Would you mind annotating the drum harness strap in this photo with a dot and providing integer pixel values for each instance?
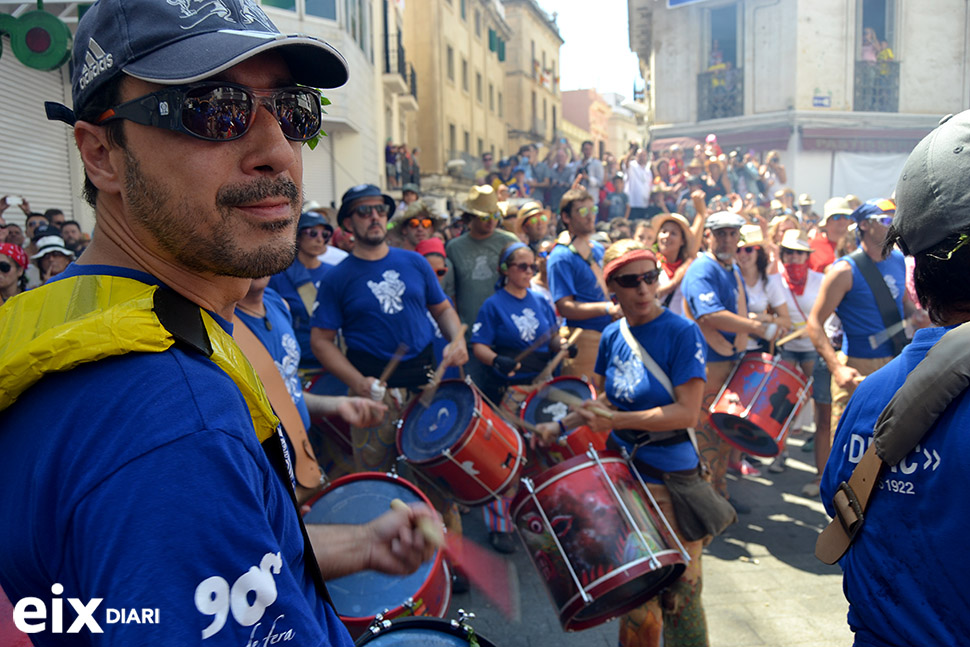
(928, 390)
(884, 298)
(84, 319)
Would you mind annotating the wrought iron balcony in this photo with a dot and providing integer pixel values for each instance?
(395, 65)
(720, 93)
(876, 86)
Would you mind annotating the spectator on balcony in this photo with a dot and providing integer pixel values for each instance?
(639, 183)
(716, 56)
(390, 164)
(415, 177)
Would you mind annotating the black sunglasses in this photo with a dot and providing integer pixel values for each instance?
(314, 233)
(220, 111)
(441, 271)
(364, 210)
(522, 267)
(632, 280)
(5, 267)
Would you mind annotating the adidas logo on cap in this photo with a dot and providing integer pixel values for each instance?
(96, 62)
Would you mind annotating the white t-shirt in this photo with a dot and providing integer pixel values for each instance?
(761, 296)
(805, 301)
(639, 184)
(676, 304)
(332, 256)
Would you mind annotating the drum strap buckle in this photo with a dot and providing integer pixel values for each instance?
(848, 510)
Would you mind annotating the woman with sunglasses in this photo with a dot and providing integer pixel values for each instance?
(509, 322)
(776, 229)
(651, 424)
(13, 266)
(512, 320)
(766, 303)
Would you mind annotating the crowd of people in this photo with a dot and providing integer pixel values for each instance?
(648, 278)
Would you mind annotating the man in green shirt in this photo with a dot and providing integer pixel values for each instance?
(475, 253)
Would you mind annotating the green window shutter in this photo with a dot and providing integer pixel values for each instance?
(501, 50)
(492, 45)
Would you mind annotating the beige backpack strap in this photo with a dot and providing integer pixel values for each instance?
(306, 469)
(850, 503)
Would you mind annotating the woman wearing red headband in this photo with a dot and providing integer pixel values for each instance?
(13, 264)
(651, 423)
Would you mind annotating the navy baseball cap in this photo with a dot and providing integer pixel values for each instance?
(309, 219)
(171, 42)
(874, 209)
(362, 191)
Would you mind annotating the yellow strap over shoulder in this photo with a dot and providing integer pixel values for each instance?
(84, 319)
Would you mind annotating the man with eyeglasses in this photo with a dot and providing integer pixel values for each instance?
(715, 297)
(298, 284)
(865, 308)
(170, 488)
(380, 297)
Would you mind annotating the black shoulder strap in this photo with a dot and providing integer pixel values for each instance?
(884, 298)
(183, 319)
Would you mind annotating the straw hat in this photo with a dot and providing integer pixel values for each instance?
(797, 240)
(482, 202)
(751, 235)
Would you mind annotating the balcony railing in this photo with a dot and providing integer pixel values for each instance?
(413, 82)
(720, 93)
(876, 86)
(395, 61)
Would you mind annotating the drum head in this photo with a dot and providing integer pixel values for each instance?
(420, 632)
(358, 499)
(426, 432)
(744, 435)
(540, 408)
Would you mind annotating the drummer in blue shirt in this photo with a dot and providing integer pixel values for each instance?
(650, 422)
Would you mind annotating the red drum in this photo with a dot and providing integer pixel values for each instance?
(540, 407)
(597, 538)
(359, 598)
(758, 402)
(459, 440)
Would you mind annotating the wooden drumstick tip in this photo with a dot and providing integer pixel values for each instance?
(432, 533)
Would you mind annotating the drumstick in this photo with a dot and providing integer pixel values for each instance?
(429, 391)
(543, 338)
(791, 336)
(392, 364)
(558, 395)
(554, 362)
(495, 577)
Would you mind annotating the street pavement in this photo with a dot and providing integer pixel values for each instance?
(762, 584)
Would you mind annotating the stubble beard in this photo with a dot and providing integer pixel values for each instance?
(179, 231)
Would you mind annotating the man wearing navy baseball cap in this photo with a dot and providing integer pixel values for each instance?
(170, 491)
(867, 290)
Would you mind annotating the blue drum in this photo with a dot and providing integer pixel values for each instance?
(421, 632)
(360, 597)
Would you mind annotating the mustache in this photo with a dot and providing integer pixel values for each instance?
(259, 189)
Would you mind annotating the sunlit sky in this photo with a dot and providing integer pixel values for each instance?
(596, 53)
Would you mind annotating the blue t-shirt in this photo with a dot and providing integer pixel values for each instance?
(859, 313)
(157, 495)
(286, 283)
(510, 322)
(571, 276)
(905, 574)
(710, 287)
(677, 346)
(280, 342)
(378, 304)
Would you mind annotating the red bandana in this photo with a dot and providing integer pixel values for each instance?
(795, 274)
(670, 268)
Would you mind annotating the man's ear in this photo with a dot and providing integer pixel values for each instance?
(96, 154)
